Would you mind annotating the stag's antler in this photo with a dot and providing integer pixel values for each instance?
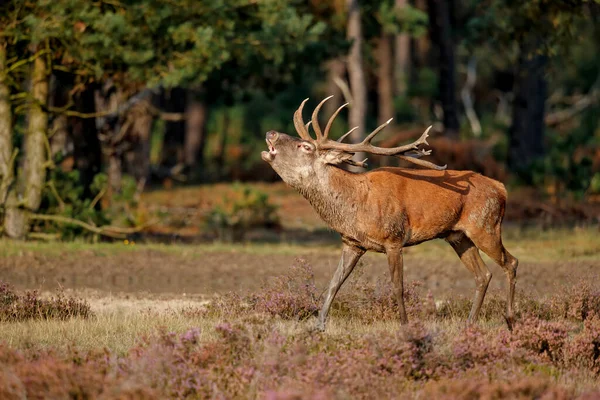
(323, 142)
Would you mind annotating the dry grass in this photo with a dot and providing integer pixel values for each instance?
(252, 344)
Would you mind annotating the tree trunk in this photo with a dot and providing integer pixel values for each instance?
(87, 151)
(195, 136)
(6, 147)
(172, 150)
(358, 86)
(385, 79)
(220, 157)
(335, 72)
(29, 188)
(402, 58)
(137, 152)
(422, 44)
(526, 135)
(441, 34)
(59, 135)
(114, 130)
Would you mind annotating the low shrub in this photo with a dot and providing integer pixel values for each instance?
(290, 296)
(584, 348)
(247, 208)
(576, 302)
(15, 307)
(476, 347)
(516, 388)
(541, 338)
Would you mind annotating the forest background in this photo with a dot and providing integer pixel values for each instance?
(103, 101)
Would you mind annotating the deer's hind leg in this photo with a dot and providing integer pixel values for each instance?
(469, 255)
(491, 244)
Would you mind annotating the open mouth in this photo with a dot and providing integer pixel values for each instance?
(272, 149)
(269, 156)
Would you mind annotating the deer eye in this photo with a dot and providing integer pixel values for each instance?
(307, 147)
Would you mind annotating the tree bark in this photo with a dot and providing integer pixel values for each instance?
(59, 125)
(140, 120)
(335, 71)
(441, 34)
(385, 79)
(358, 86)
(87, 150)
(526, 135)
(422, 44)
(6, 147)
(29, 188)
(195, 125)
(172, 150)
(402, 58)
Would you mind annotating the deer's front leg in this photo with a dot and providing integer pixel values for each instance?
(350, 256)
(396, 264)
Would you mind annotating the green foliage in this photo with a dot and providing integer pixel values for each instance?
(248, 208)
(407, 19)
(425, 85)
(64, 196)
(567, 167)
(405, 112)
(547, 26)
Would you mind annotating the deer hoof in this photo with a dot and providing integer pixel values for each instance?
(510, 322)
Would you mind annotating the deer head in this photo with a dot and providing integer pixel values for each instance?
(297, 159)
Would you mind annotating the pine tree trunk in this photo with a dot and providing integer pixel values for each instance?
(138, 153)
(195, 125)
(385, 78)
(335, 71)
(422, 44)
(441, 34)
(30, 185)
(87, 150)
(358, 86)
(174, 138)
(402, 58)
(59, 126)
(6, 148)
(526, 135)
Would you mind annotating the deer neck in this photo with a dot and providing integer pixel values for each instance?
(335, 195)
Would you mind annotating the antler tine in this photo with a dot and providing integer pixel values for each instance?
(418, 153)
(299, 122)
(345, 135)
(330, 122)
(376, 131)
(423, 163)
(424, 136)
(315, 119)
(367, 147)
(362, 164)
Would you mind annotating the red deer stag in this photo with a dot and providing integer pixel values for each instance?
(387, 209)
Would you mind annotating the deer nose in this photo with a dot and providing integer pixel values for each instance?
(272, 136)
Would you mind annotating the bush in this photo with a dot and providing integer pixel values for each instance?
(576, 302)
(584, 349)
(291, 296)
(518, 388)
(14, 307)
(63, 195)
(249, 208)
(541, 338)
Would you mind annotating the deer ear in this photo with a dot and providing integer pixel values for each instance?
(336, 157)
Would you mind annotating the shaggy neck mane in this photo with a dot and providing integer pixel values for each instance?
(334, 194)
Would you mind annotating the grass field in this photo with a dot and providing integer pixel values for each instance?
(234, 321)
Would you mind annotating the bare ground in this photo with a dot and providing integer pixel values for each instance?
(151, 271)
